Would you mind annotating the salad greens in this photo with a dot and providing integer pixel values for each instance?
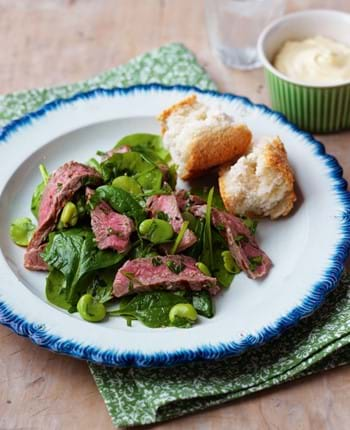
(75, 254)
(38, 192)
(120, 200)
(152, 308)
(81, 276)
(21, 231)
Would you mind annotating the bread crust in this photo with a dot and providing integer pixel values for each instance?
(213, 146)
(216, 147)
(163, 116)
(276, 160)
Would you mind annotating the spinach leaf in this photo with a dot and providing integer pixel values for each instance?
(38, 192)
(101, 286)
(55, 289)
(203, 303)
(95, 165)
(197, 226)
(76, 255)
(21, 231)
(133, 164)
(152, 308)
(143, 249)
(203, 192)
(120, 200)
(150, 145)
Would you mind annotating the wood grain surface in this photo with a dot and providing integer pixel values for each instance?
(51, 42)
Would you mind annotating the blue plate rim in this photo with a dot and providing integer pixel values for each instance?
(38, 333)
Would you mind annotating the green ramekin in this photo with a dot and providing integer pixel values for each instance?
(314, 108)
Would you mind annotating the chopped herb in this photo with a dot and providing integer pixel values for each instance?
(156, 261)
(176, 268)
(220, 227)
(254, 262)
(132, 278)
(59, 185)
(179, 237)
(241, 238)
(162, 215)
(250, 223)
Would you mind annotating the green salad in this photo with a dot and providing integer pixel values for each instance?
(117, 238)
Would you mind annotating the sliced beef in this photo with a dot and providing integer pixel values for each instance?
(33, 260)
(169, 273)
(111, 229)
(242, 244)
(62, 186)
(185, 200)
(167, 204)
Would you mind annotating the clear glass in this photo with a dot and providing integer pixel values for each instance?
(234, 27)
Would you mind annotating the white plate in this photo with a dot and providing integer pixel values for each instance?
(308, 248)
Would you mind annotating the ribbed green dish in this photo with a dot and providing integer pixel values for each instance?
(314, 109)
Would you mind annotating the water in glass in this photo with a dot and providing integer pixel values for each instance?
(234, 26)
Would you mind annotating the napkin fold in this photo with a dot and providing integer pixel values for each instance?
(145, 396)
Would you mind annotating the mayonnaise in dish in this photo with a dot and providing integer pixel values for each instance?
(317, 60)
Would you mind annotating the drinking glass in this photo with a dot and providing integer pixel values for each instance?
(234, 26)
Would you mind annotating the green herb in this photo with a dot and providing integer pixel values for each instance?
(21, 231)
(255, 262)
(241, 238)
(250, 223)
(174, 267)
(120, 200)
(152, 308)
(179, 237)
(156, 261)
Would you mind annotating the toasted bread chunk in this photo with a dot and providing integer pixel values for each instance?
(200, 137)
(261, 183)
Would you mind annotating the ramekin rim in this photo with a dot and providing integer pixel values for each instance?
(267, 63)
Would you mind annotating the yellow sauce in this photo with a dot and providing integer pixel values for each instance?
(317, 60)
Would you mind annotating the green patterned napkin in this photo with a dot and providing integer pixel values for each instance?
(144, 396)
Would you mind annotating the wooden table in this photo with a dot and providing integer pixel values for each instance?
(51, 42)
